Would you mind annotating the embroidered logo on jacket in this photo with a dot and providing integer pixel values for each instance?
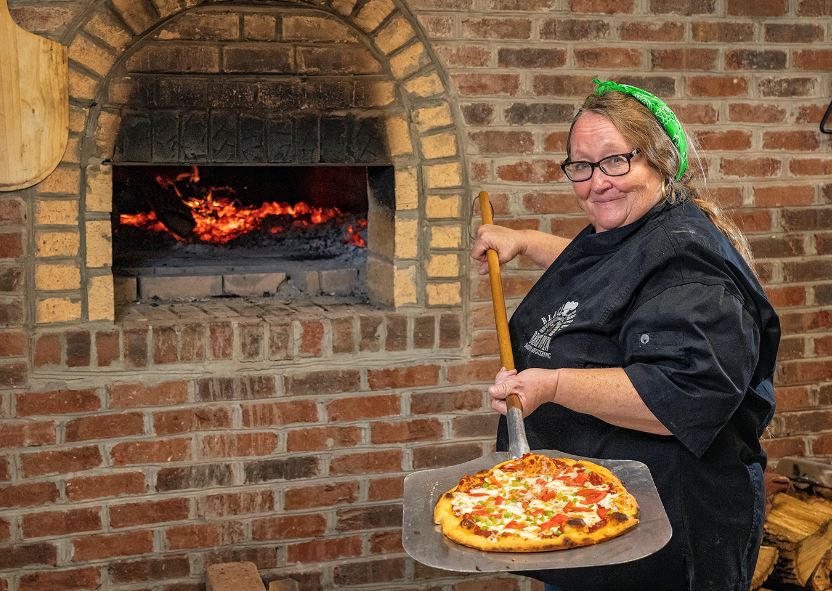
(552, 324)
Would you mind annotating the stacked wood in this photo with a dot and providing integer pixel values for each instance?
(821, 579)
(766, 560)
(802, 533)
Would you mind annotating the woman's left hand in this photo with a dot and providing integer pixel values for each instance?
(533, 386)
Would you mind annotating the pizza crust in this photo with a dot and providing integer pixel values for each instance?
(464, 531)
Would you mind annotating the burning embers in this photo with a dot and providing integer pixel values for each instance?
(191, 211)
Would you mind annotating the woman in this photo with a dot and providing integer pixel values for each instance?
(648, 337)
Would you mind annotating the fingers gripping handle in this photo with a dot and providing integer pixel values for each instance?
(516, 429)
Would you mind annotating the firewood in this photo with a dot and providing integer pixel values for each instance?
(766, 560)
(821, 579)
(802, 534)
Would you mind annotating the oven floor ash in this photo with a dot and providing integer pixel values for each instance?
(291, 266)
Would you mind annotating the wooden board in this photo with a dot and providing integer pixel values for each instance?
(34, 104)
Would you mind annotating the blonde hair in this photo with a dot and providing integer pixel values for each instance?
(638, 124)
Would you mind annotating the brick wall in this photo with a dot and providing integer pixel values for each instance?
(136, 449)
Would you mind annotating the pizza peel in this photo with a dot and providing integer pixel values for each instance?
(423, 540)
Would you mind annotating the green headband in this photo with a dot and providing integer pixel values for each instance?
(660, 110)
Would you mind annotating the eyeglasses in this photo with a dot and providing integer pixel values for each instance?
(615, 165)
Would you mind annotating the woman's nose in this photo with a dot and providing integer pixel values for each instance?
(599, 180)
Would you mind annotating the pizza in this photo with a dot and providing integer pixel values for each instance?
(536, 503)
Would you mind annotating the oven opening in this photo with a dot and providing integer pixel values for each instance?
(191, 232)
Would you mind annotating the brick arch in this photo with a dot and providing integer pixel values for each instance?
(423, 138)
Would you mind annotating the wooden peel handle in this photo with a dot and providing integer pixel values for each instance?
(498, 301)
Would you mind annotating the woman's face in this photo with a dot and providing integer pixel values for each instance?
(611, 202)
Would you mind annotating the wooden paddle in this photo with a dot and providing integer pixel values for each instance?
(516, 429)
(34, 104)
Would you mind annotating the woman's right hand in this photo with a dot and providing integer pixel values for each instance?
(507, 243)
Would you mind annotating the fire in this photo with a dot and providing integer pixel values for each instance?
(220, 218)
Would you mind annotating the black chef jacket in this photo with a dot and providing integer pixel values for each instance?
(668, 299)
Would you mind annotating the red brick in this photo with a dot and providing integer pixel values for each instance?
(746, 59)
(324, 495)
(370, 333)
(204, 535)
(607, 57)
(151, 452)
(753, 220)
(28, 495)
(793, 398)
(806, 321)
(58, 523)
(324, 550)
(555, 142)
(26, 434)
(56, 402)
(527, 58)
(135, 347)
(47, 350)
(110, 485)
(323, 438)
(230, 504)
(732, 139)
(403, 377)
(389, 542)
(287, 527)
(783, 447)
(386, 489)
(766, 246)
(234, 445)
(442, 402)
(791, 348)
(757, 8)
(221, 340)
(66, 580)
(188, 420)
(110, 545)
(823, 346)
(814, 8)
(822, 445)
(131, 514)
(343, 340)
(568, 227)
(810, 113)
(323, 382)
(252, 341)
(793, 33)
(481, 425)
(11, 245)
(791, 140)
(362, 407)
(651, 31)
(136, 395)
(716, 86)
(786, 297)
(575, 29)
(5, 530)
(107, 348)
(364, 518)
(805, 372)
(749, 167)
(784, 195)
(11, 312)
(468, 56)
(406, 431)
(165, 345)
(396, 339)
(807, 219)
(496, 28)
(279, 413)
(60, 462)
(438, 456)
(727, 196)
(475, 84)
(514, 286)
(424, 332)
(13, 343)
(722, 31)
(810, 167)
(192, 342)
(14, 375)
(787, 87)
(22, 555)
(385, 570)
(756, 113)
(684, 59)
(503, 142)
(602, 6)
(371, 462)
(104, 426)
(537, 171)
(12, 212)
(810, 270)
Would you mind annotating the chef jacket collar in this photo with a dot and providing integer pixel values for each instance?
(593, 242)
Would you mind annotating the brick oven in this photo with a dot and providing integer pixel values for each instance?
(267, 407)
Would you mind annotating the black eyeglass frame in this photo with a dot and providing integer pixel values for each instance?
(629, 156)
